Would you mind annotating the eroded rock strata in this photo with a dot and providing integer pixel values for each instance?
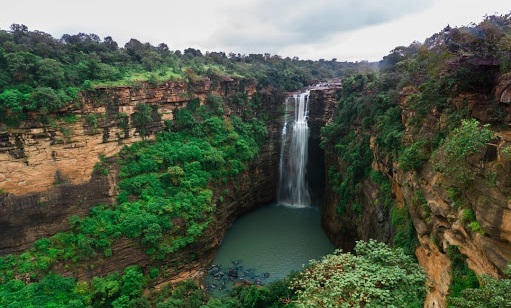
(440, 218)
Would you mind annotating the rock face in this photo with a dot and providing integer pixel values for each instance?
(443, 216)
(47, 169)
(343, 230)
(443, 221)
(322, 106)
(100, 123)
(256, 186)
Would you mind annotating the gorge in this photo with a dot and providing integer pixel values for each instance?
(267, 244)
(123, 193)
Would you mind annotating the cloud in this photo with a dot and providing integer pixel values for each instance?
(343, 29)
(269, 25)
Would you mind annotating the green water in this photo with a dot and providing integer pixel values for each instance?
(267, 244)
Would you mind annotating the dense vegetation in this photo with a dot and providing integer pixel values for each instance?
(492, 293)
(419, 86)
(165, 203)
(40, 74)
(166, 199)
(375, 277)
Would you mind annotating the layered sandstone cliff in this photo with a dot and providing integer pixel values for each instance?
(439, 218)
(441, 222)
(47, 166)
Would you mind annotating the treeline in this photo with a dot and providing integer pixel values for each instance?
(41, 74)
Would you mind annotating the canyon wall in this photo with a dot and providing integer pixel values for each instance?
(63, 166)
(441, 220)
(256, 186)
(474, 219)
(344, 229)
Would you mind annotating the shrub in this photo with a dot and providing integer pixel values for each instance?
(376, 276)
(461, 276)
(493, 293)
(414, 156)
(464, 141)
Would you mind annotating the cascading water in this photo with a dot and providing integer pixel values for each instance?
(293, 188)
(270, 242)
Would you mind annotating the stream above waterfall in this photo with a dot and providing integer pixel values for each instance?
(267, 244)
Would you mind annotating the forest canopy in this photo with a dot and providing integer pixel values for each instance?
(40, 73)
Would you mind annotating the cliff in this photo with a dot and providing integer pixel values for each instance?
(344, 229)
(254, 187)
(61, 167)
(472, 217)
(441, 221)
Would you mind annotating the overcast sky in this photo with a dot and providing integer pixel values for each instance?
(349, 30)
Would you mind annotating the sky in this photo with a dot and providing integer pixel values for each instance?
(348, 30)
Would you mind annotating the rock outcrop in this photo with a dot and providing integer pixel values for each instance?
(344, 229)
(443, 221)
(474, 219)
(47, 169)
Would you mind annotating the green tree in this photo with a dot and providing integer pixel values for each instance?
(492, 293)
(50, 73)
(377, 276)
(22, 66)
(46, 99)
(12, 103)
(142, 118)
(468, 139)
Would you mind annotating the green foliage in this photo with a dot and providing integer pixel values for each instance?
(142, 118)
(184, 294)
(475, 226)
(87, 86)
(102, 166)
(117, 290)
(419, 201)
(492, 293)
(275, 294)
(366, 109)
(169, 175)
(376, 276)
(385, 187)
(33, 59)
(405, 236)
(414, 156)
(92, 121)
(51, 291)
(165, 203)
(468, 215)
(467, 140)
(462, 276)
(346, 183)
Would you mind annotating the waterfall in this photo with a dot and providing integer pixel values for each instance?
(293, 188)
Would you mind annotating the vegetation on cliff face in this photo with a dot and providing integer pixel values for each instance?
(415, 112)
(165, 203)
(493, 293)
(166, 197)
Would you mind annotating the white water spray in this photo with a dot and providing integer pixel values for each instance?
(293, 188)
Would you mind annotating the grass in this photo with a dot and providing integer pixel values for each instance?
(134, 77)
